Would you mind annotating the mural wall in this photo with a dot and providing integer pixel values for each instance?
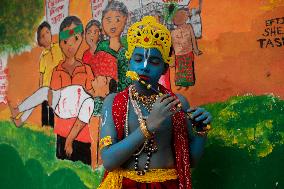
(228, 57)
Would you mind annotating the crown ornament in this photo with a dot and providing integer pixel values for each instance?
(148, 33)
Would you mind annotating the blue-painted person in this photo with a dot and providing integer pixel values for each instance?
(147, 140)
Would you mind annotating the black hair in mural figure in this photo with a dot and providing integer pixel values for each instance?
(92, 23)
(116, 6)
(96, 30)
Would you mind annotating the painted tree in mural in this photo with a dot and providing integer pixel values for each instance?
(18, 21)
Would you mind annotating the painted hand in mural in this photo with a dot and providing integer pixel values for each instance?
(68, 147)
(197, 52)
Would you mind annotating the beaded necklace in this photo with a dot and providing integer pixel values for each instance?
(148, 146)
(146, 101)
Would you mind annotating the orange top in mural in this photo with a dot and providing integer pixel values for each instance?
(82, 75)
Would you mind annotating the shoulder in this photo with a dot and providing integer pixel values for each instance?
(189, 26)
(87, 66)
(56, 70)
(123, 41)
(55, 46)
(103, 45)
(43, 54)
(55, 49)
(86, 52)
(184, 101)
(108, 102)
(109, 98)
(175, 31)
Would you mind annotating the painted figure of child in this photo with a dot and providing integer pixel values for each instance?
(50, 57)
(72, 72)
(110, 54)
(185, 46)
(92, 37)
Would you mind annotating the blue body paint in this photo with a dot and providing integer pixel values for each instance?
(149, 64)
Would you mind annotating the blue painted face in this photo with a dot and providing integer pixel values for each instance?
(148, 64)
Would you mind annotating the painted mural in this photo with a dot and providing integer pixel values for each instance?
(59, 60)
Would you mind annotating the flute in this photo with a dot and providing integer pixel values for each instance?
(204, 127)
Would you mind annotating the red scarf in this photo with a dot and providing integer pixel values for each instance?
(180, 134)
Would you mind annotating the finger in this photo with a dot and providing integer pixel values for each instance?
(192, 109)
(170, 113)
(202, 117)
(172, 105)
(167, 101)
(67, 153)
(161, 98)
(208, 120)
(70, 152)
(197, 112)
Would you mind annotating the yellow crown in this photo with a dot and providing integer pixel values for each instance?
(148, 33)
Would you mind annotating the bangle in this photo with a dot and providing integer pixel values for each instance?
(204, 132)
(144, 129)
(106, 141)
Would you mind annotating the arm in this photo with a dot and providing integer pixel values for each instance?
(92, 92)
(194, 41)
(41, 70)
(197, 143)
(77, 127)
(90, 79)
(40, 79)
(119, 152)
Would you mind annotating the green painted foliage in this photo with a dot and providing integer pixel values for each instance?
(14, 174)
(37, 153)
(254, 123)
(234, 168)
(18, 23)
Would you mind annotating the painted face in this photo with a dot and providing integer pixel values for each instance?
(148, 64)
(180, 17)
(92, 36)
(45, 37)
(71, 45)
(113, 23)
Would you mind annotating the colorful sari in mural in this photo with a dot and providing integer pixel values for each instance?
(184, 70)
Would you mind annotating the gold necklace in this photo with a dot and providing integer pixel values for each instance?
(146, 101)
